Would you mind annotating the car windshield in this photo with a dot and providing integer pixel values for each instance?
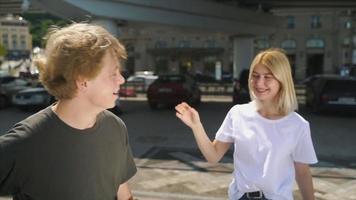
(341, 85)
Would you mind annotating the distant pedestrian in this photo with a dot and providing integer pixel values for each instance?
(74, 149)
(272, 143)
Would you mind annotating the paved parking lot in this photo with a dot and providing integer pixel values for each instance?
(171, 167)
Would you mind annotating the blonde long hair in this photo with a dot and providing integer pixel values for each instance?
(277, 62)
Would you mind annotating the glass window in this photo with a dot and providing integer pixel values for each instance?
(5, 36)
(354, 56)
(184, 44)
(290, 22)
(161, 44)
(130, 48)
(23, 42)
(262, 43)
(210, 44)
(348, 24)
(14, 41)
(315, 21)
(354, 40)
(315, 43)
(346, 41)
(289, 44)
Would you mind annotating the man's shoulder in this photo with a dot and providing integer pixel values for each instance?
(112, 119)
(27, 127)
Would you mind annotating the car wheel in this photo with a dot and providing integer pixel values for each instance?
(152, 105)
(197, 101)
(315, 107)
(24, 108)
(2, 102)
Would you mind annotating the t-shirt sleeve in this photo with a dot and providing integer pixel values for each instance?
(225, 132)
(304, 150)
(8, 167)
(130, 167)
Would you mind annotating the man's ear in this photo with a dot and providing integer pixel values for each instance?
(82, 84)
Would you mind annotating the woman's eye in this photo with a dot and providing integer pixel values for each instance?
(254, 76)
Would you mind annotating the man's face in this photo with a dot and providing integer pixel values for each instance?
(103, 90)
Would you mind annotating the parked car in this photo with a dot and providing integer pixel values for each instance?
(241, 94)
(10, 85)
(173, 89)
(141, 82)
(127, 90)
(331, 92)
(32, 98)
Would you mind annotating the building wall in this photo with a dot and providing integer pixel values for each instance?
(15, 35)
(322, 47)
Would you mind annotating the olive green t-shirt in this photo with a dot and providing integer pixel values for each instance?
(42, 158)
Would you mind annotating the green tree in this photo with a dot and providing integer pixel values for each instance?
(3, 50)
(39, 24)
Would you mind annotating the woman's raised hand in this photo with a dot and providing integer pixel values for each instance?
(187, 114)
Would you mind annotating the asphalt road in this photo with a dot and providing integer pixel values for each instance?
(169, 161)
(334, 134)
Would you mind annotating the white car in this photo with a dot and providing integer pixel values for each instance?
(141, 82)
(29, 98)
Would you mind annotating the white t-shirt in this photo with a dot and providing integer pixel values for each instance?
(265, 151)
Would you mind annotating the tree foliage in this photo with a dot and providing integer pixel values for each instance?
(39, 24)
(3, 50)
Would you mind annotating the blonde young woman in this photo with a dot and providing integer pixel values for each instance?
(272, 143)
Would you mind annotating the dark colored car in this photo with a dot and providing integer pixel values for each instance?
(331, 92)
(173, 89)
(241, 92)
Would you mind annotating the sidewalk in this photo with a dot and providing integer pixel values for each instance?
(175, 175)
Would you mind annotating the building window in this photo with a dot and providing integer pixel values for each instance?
(5, 40)
(346, 41)
(262, 43)
(289, 44)
(14, 41)
(23, 42)
(184, 44)
(348, 25)
(354, 40)
(290, 22)
(210, 44)
(354, 56)
(315, 21)
(315, 43)
(161, 44)
(130, 48)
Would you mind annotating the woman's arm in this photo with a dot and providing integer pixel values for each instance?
(304, 180)
(212, 151)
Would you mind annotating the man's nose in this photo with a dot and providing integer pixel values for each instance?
(121, 79)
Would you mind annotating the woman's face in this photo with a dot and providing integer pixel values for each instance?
(264, 85)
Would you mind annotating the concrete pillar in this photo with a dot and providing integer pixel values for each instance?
(242, 53)
(108, 24)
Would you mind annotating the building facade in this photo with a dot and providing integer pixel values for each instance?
(315, 40)
(15, 36)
